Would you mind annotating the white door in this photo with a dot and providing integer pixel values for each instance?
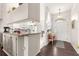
(61, 30)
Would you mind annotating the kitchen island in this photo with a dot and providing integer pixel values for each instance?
(21, 44)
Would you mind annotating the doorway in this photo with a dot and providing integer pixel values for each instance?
(60, 28)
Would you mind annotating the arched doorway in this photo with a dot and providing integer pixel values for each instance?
(60, 29)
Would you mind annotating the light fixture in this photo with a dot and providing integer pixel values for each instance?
(74, 17)
(59, 17)
(11, 7)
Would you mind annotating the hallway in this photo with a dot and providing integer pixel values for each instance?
(52, 50)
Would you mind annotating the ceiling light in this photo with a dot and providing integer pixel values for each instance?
(59, 17)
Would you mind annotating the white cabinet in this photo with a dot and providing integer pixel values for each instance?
(7, 44)
(34, 11)
(4, 42)
(22, 46)
(14, 43)
(28, 11)
(27, 45)
(18, 14)
(34, 44)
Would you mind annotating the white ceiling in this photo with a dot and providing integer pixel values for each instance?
(54, 7)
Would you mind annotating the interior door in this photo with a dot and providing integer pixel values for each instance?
(61, 30)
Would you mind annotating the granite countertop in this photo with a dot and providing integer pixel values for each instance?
(28, 34)
(23, 34)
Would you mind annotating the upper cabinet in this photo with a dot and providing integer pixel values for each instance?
(28, 11)
(34, 11)
(18, 14)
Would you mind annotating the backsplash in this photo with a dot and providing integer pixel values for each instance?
(24, 27)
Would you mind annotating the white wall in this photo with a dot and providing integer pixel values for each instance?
(48, 20)
(42, 24)
(34, 11)
(75, 31)
(43, 18)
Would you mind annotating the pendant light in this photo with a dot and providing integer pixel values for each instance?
(59, 17)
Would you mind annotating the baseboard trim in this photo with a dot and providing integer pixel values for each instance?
(75, 48)
(44, 44)
(37, 52)
(6, 52)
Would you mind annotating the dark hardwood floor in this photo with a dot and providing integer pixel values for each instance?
(52, 50)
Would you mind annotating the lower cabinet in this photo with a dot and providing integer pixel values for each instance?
(15, 45)
(34, 44)
(20, 46)
(7, 44)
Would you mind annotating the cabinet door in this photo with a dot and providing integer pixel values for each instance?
(33, 44)
(7, 43)
(10, 45)
(14, 47)
(4, 42)
(34, 11)
(20, 46)
(25, 46)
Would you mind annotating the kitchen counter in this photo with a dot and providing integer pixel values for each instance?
(23, 34)
(25, 44)
(28, 34)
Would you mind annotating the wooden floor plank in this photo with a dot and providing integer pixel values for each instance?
(52, 50)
